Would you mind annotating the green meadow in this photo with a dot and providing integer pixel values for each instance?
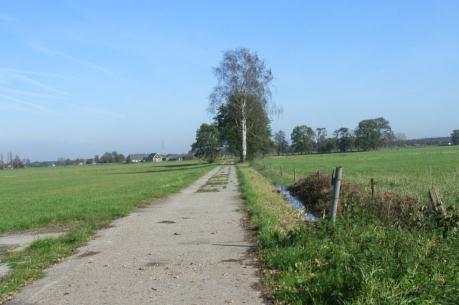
(409, 170)
(39, 197)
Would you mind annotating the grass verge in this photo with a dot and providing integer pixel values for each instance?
(359, 260)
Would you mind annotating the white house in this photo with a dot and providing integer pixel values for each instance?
(154, 157)
(137, 158)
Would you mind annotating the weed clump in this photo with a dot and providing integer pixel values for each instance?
(315, 192)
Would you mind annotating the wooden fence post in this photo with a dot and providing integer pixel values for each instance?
(282, 172)
(336, 190)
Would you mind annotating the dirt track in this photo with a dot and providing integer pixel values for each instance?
(189, 248)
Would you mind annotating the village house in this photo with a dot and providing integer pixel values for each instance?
(137, 158)
(154, 157)
(90, 162)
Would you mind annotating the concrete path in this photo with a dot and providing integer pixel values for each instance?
(189, 248)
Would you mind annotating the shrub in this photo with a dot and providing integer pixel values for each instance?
(314, 191)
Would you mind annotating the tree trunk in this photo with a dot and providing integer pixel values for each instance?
(244, 139)
(244, 131)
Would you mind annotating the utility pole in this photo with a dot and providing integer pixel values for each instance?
(10, 159)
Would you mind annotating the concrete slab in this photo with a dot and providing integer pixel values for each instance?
(4, 270)
(20, 241)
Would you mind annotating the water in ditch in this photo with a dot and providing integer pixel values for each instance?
(296, 203)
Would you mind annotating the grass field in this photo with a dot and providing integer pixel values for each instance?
(38, 197)
(79, 199)
(409, 170)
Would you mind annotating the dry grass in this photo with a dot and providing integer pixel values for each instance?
(287, 217)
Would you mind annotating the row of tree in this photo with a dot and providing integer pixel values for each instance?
(220, 137)
(107, 157)
(110, 157)
(17, 162)
(369, 134)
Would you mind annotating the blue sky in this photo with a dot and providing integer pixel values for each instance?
(83, 77)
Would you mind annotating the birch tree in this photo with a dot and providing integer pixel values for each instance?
(258, 131)
(243, 82)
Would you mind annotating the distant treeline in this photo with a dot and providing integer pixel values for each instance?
(18, 162)
(370, 134)
(217, 139)
(430, 141)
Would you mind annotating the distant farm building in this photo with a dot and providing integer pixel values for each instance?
(90, 162)
(154, 157)
(173, 157)
(137, 158)
(178, 157)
